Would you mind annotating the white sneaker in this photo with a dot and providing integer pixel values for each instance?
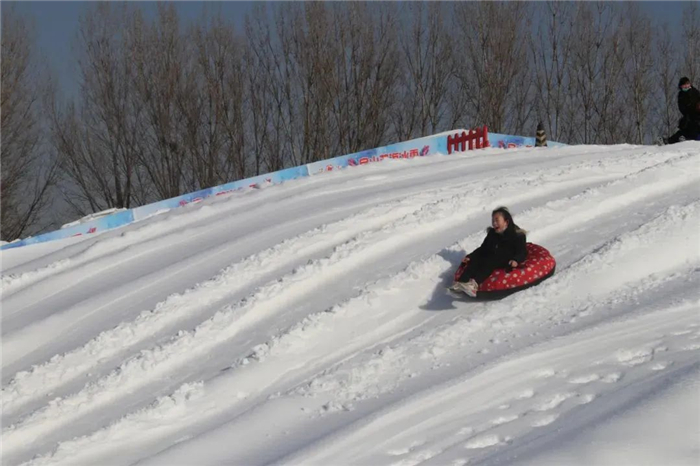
(470, 288)
(473, 288)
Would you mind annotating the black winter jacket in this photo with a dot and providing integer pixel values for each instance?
(688, 102)
(506, 246)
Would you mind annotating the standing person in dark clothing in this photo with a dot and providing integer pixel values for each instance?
(504, 247)
(689, 106)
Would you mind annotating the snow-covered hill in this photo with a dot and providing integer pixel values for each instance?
(308, 323)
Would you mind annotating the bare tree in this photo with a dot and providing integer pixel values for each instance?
(159, 74)
(595, 71)
(493, 58)
(366, 70)
(214, 118)
(615, 107)
(584, 67)
(666, 79)
(639, 69)
(423, 86)
(264, 71)
(304, 32)
(28, 170)
(258, 74)
(521, 110)
(98, 140)
(691, 42)
(551, 52)
(316, 58)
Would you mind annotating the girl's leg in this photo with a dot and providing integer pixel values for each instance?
(479, 269)
(470, 269)
(486, 268)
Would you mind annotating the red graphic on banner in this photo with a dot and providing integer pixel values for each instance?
(328, 168)
(511, 145)
(407, 154)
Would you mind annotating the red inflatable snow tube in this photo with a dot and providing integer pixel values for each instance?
(538, 266)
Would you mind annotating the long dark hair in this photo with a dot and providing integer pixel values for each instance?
(503, 210)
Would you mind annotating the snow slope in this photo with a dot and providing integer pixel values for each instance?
(308, 323)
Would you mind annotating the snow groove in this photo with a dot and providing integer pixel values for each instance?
(62, 368)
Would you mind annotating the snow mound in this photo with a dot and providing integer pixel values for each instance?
(308, 323)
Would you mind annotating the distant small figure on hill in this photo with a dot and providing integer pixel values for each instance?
(689, 106)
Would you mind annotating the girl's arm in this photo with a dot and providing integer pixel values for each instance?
(480, 248)
(520, 249)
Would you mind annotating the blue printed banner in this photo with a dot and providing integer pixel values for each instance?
(274, 178)
(421, 147)
(506, 141)
(108, 222)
